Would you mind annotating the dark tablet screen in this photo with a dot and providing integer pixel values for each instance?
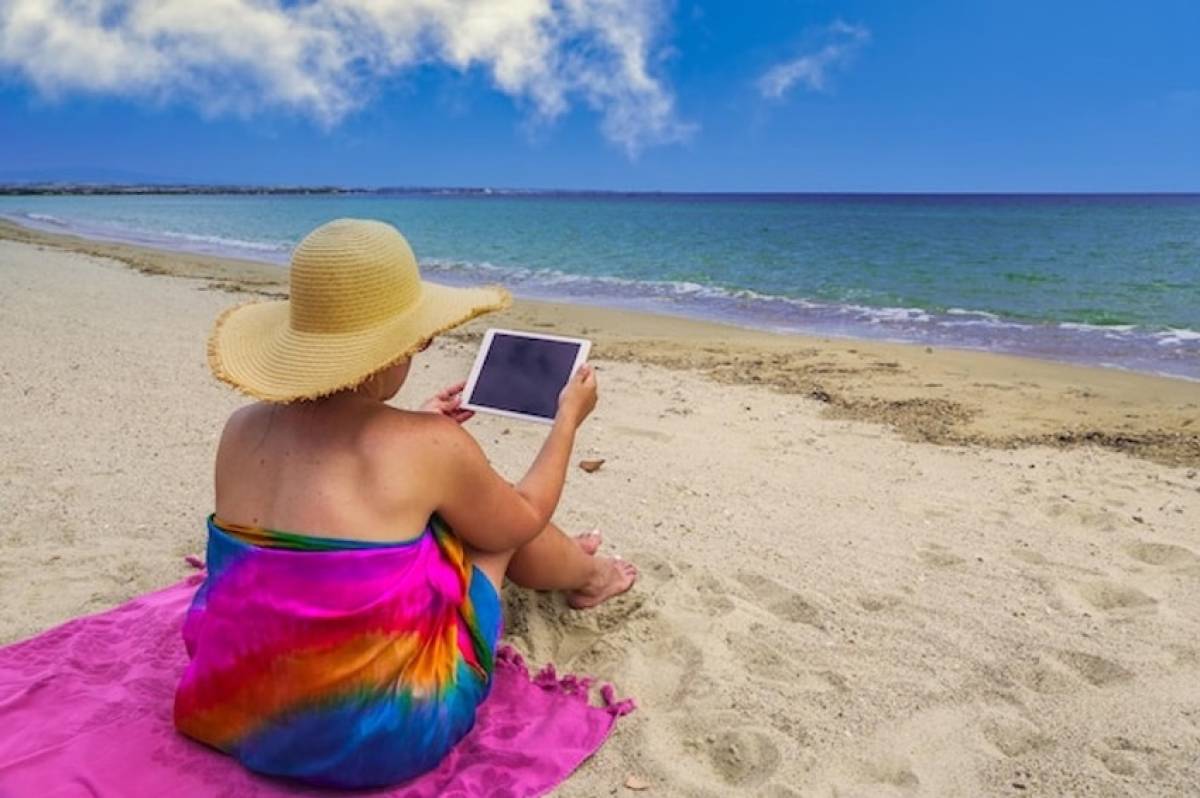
(524, 375)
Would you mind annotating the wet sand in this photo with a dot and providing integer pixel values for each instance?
(868, 569)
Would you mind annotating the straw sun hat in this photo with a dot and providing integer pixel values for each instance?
(357, 305)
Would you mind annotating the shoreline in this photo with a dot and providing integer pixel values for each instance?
(1083, 339)
(943, 395)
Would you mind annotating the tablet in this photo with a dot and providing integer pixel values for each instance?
(521, 374)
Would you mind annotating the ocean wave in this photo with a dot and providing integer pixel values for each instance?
(1177, 337)
(983, 314)
(587, 284)
(47, 219)
(1103, 328)
(581, 283)
(221, 241)
(165, 239)
(885, 315)
(554, 283)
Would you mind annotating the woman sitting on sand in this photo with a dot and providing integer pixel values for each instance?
(345, 632)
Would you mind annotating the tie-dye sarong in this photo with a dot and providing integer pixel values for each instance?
(338, 663)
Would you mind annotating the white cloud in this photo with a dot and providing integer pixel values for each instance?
(838, 44)
(325, 58)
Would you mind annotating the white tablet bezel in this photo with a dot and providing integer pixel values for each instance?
(585, 348)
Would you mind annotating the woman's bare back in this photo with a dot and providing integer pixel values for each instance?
(345, 468)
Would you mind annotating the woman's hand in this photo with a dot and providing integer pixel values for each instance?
(448, 402)
(578, 397)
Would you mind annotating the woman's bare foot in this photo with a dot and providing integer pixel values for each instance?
(589, 541)
(613, 577)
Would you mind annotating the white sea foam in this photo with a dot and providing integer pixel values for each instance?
(670, 289)
(46, 218)
(221, 241)
(626, 286)
(165, 238)
(555, 282)
(1104, 328)
(891, 315)
(1176, 337)
(991, 322)
(963, 312)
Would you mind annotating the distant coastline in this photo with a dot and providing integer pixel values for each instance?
(88, 188)
(110, 189)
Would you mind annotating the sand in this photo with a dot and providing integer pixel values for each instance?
(867, 569)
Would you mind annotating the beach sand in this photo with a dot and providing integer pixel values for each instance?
(868, 569)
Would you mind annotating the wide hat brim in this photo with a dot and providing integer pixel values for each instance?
(254, 348)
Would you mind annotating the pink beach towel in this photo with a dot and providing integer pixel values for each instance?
(85, 710)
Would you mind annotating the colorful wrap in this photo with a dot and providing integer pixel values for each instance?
(338, 663)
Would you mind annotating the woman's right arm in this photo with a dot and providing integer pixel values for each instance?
(481, 506)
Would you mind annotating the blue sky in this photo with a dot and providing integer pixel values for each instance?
(938, 95)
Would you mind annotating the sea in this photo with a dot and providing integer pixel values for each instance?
(1109, 280)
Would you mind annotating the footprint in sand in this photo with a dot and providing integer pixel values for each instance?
(1112, 597)
(648, 655)
(654, 571)
(770, 657)
(939, 556)
(712, 595)
(717, 755)
(893, 770)
(673, 667)
(1117, 762)
(678, 663)
(1056, 508)
(1014, 736)
(760, 659)
(878, 602)
(1095, 670)
(1058, 672)
(1120, 755)
(742, 757)
(1119, 743)
(1030, 556)
(1042, 675)
(780, 601)
(1161, 554)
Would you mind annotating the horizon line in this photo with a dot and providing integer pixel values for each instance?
(154, 187)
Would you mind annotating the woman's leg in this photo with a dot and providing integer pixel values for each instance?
(554, 561)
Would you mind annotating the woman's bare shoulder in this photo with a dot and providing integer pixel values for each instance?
(243, 420)
(425, 452)
(393, 429)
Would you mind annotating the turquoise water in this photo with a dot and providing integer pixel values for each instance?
(1112, 280)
